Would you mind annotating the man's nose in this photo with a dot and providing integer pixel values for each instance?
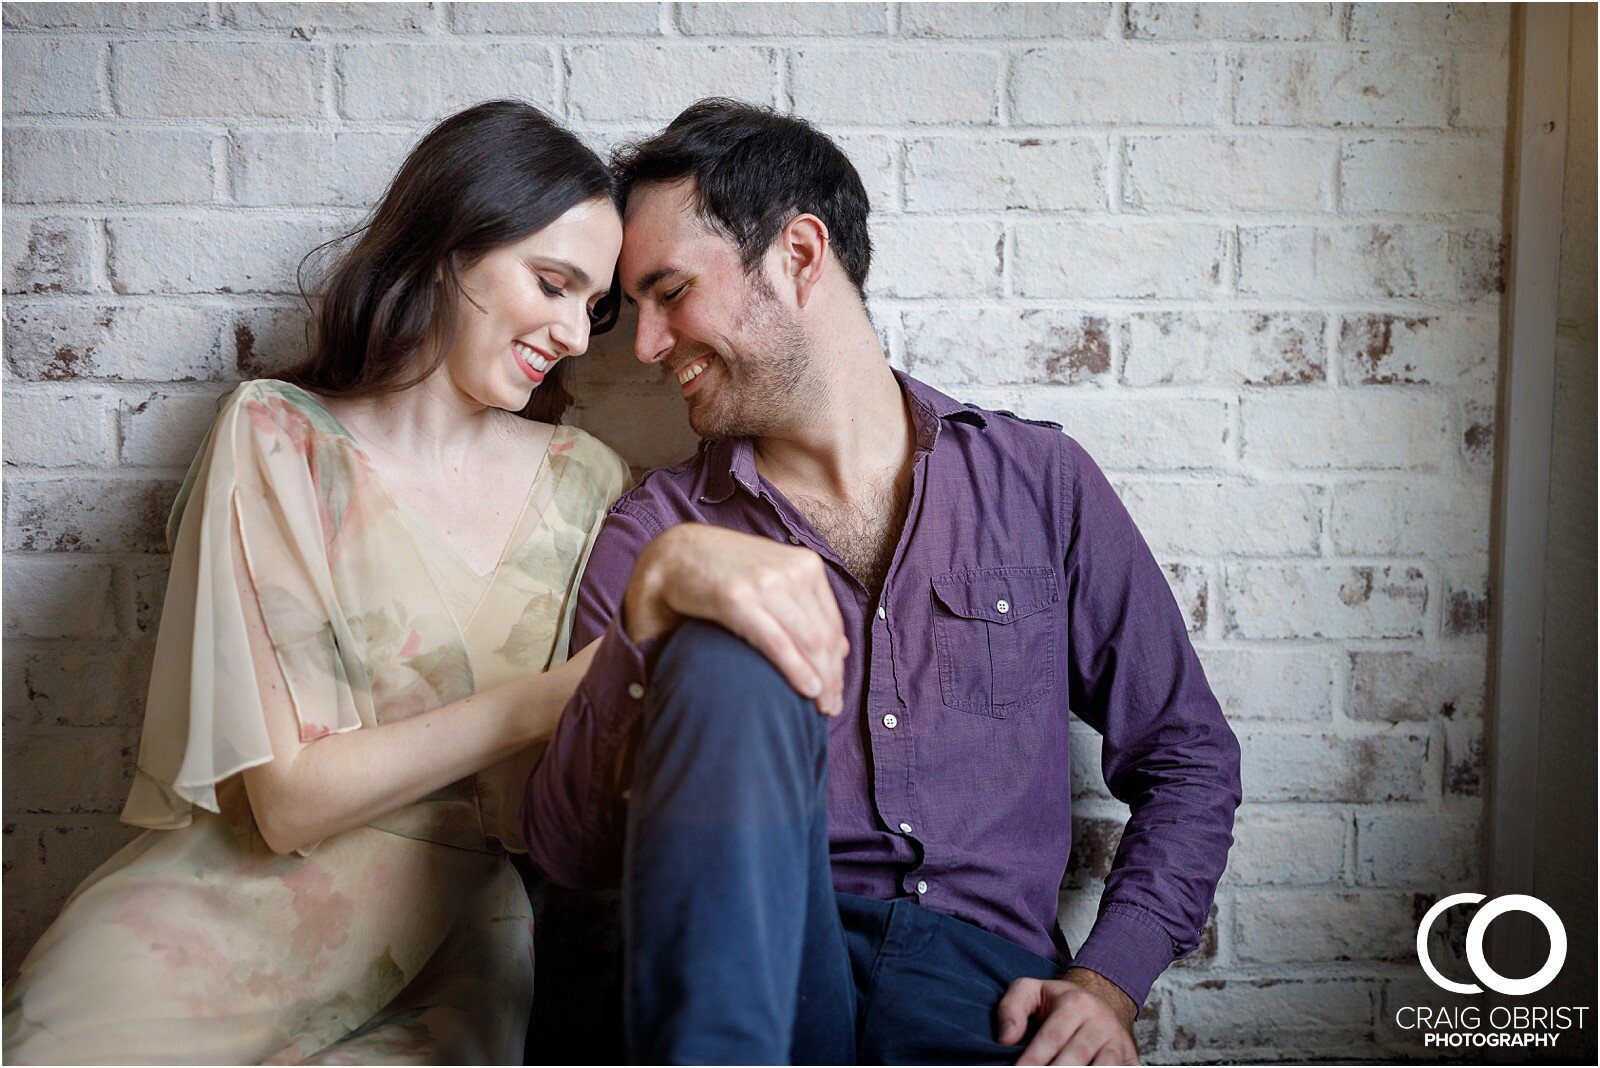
(652, 339)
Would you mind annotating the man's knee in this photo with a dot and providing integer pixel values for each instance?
(708, 672)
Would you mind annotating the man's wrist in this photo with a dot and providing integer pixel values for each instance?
(1109, 992)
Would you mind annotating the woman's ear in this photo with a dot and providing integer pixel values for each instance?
(804, 247)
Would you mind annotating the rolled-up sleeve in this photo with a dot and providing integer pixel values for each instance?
(1168, 753)
(572, 813)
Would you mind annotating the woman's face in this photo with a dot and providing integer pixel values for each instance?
(530, 303)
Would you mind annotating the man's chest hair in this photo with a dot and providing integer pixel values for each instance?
(863, 532)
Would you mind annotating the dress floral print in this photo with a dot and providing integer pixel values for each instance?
(408, 940)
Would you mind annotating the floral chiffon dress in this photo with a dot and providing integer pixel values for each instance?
(408, 940)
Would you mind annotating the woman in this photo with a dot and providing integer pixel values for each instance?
(374, 564)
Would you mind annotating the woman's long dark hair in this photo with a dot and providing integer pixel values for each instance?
(383, 314)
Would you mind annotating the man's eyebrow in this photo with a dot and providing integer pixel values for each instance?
(648, 282)
(579, 276)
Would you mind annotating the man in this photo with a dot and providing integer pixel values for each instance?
(878, 885)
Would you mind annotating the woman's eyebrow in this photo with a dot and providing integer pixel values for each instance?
(579, 276)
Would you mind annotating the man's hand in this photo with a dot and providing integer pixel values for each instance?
(774, 596)
(1085, 1019)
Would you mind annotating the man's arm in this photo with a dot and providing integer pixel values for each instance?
(572, 811)
(1168, 753)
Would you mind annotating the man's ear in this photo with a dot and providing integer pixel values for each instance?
(803, 254)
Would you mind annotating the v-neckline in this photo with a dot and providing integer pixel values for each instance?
(420, 525)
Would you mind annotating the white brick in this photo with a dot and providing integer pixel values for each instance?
(230, 254)
(294, 167)
(1324, 601)
(164, 430)
(635, 82)
(62, 685)
(56, 342)
(589, 20)
(148, 580)
(1278, 766)
(1381, 349)
(1483, 91)
(1040, 174)
(1206, 172)
(1289, 927)
(52, 166)
(87, 769)
(1415, 686)
(47, 255)
(425, 82)
(214, 79)
(44, 76)
(1210, 348)
(879, 86)
(1357, 262)
(1014, 21)
(783, 20)
(1420, 176)
(1131, 259)
(1270, 685)
(264, 342)
(1330, 428)
(1415, 517)
(1329, 88)
(1231, 22)
(874, 160)
(1128, 433)
(934, 258)
(55, 429)
(312, 19)
(1272, 1014)
(1416, 849)
(1287, 850)
(1191, 589)
(1212, 518)
(1465, 759)
(995, 346)
(103, 17)
(1477, 26)
(1115, 85)
(87, 515)
(57, 598)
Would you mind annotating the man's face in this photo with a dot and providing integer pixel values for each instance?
(718, 333)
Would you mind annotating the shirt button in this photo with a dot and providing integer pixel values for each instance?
(891, 721)
(1002, 607)
(635, 691)
(793, 540)
(905, 828)
(922, 886)
(881, 613)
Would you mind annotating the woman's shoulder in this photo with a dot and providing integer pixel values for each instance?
(272, 404)
(585, 452)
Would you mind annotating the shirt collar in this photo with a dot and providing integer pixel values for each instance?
(730, 463)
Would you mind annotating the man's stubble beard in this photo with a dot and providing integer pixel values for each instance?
(765, 391)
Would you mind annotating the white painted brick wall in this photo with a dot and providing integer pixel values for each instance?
(1248, 254)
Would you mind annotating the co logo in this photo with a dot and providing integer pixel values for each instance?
(1475, 932)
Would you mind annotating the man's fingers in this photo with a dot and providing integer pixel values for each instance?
(1116, 1053)
(773, 640)
(1048, 1043)
(1011, 1015)
(1087, 1042)
(797, 613)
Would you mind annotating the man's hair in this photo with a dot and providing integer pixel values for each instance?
(755, 170)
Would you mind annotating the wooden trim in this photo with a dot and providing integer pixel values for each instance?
(1536, 147)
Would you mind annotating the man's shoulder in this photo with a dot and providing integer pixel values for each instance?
(666, 494)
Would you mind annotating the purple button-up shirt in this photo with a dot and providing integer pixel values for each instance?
(1019, 588)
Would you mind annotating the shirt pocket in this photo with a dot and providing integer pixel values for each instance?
(996, 631)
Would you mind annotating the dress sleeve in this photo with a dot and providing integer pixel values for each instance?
(267, 479)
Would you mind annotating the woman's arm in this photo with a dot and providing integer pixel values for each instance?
(311, 790)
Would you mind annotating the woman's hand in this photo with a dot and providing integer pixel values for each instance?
(774, 596)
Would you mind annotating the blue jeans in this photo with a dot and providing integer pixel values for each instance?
(737, 948)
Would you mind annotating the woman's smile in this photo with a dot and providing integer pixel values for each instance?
(531, 361)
